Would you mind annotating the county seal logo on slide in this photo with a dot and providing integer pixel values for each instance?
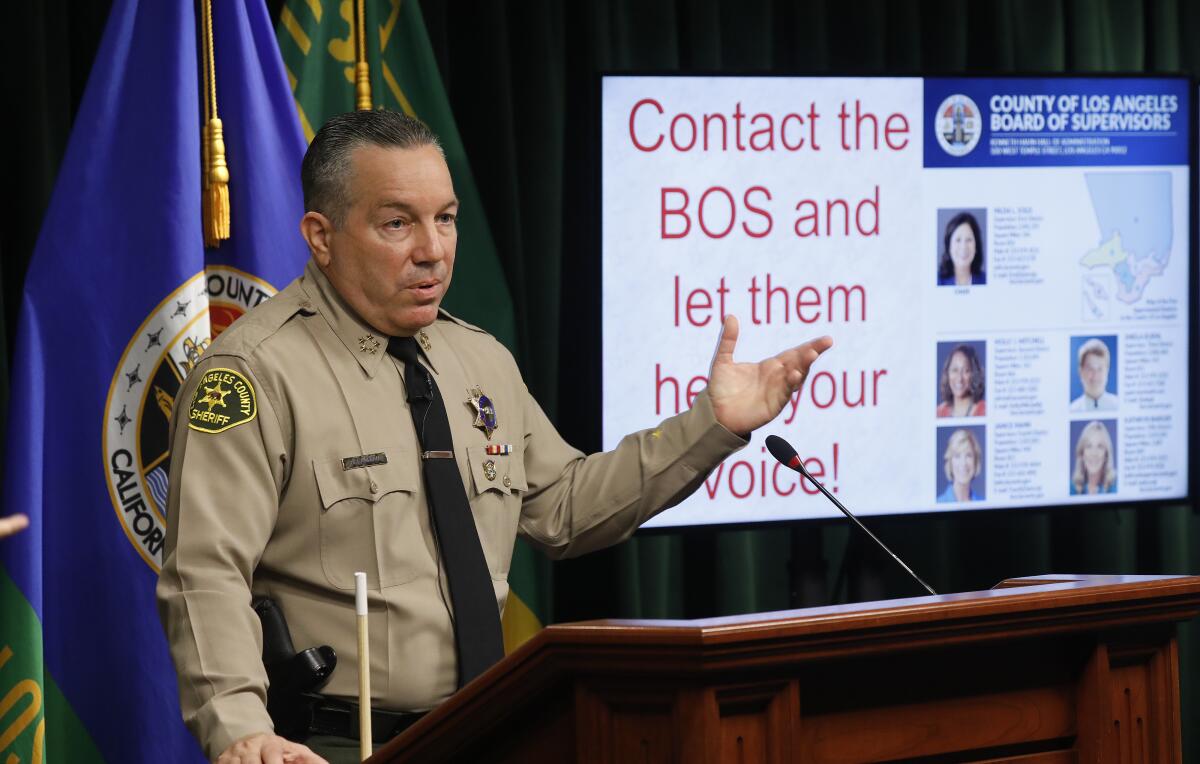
(958, 125)
(143, 393)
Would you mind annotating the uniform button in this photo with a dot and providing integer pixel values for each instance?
(374, 487)
(507, 482)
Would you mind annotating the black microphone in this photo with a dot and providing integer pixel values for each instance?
(787, 456)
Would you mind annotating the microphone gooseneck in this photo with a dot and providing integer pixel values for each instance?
(787, 456)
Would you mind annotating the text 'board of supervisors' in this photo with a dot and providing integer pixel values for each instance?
(1003, 265)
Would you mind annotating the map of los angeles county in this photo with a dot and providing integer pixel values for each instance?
(1133, 210)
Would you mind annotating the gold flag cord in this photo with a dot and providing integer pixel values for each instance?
(362, 73)
(215, 199)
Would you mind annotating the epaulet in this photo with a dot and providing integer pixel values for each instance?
(444, 315)
(263, 320)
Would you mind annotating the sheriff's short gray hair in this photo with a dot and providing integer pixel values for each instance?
(325, 172)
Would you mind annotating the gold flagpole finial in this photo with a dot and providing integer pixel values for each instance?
(215, 200)
(362, 73)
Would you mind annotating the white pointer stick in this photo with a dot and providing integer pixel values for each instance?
(364, 667)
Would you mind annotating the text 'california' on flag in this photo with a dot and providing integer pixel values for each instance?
(120, 300)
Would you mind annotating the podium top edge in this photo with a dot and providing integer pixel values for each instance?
(1033, 593)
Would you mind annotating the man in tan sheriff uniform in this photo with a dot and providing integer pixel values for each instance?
(294, 458)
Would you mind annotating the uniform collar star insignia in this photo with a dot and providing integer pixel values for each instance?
(368, 344)
(485, 411)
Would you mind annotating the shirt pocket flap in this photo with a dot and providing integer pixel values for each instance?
(507, 474)
(397, 473)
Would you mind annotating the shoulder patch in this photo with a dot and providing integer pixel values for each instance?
(223, 399)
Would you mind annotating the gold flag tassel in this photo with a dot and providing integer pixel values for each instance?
(215, 199)
(362, 73)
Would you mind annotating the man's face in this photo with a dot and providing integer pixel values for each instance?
(392, 257)
(1093, 373)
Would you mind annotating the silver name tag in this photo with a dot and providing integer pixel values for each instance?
(366, 460)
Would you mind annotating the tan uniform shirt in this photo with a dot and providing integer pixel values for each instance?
(265, 506)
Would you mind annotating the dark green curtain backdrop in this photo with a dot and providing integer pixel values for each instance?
(522, 79)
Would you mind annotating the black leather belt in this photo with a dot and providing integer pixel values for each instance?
(340, 718)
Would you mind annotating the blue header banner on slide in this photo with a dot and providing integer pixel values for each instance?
(1042, 122)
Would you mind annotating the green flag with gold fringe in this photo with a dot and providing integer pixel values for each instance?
(320, 50)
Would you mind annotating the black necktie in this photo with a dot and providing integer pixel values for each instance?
(477, 635)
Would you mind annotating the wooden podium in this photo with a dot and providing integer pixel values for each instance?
(1047, 669)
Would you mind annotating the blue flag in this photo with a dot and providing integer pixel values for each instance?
(120, 300)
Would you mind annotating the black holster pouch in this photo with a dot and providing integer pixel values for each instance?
(294, 676)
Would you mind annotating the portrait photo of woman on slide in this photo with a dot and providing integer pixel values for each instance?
(961, 384)
(961, 261)
(1095, 468)
(962, 462)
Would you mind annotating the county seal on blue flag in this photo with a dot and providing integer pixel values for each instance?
(143, 392)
